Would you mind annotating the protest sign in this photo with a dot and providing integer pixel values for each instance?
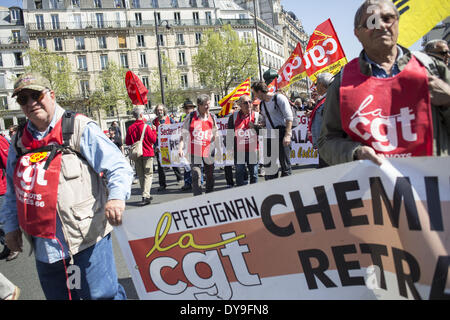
(352, 231)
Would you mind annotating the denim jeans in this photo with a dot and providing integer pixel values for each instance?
(241, 174)
(97, 275)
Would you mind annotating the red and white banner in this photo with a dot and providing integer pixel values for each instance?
(292, 70)
(352, 231)
(324, 52)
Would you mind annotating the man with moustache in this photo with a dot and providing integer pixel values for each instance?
(386, 90)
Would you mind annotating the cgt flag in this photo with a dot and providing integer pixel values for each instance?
(227, 102)
(292, 70)
(324, 52)
(418, 17)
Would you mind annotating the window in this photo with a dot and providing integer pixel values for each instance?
(76, 3)
(77, 21)
(142, 60)
(15, 15)
(198, 37)
(102, 42)
(40, 22)
(97, 3)
(122, 42)
(205, 3)
(138, 17)
(155, 4)
(136, 4)
(100, 23)
(42, 43)
(184, 81)
(18, 58)
(181, 58)
(53, 4)
(82, 63)
(55, 21)
(58, 44)
(1, 60)
(84, 88)
(177, 18)
(16, 36)
(193, 3)
(80, 43)
(208, 18)
(180, 39)
(103, 61)
(124, 60)
(161, 39)
(174, 3)
(60, 65)
(196, 18)
(140, 40)
(38, 4)
(3, 102)
(145, 82)
(2, 81)
(117, 3)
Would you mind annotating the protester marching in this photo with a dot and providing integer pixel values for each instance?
(371, 136)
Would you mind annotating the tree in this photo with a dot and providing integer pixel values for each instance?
(56, 69)
(110, 90)
(224, 61)
(173, 92)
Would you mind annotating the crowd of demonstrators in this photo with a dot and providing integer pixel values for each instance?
(74, 152)
(278, 122)
(201, 137)
(390, 76)
(163, 118)
(140, 130)
(315, 117)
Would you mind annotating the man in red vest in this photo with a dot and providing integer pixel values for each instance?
(200, 135)
(163, 118)
(389, 102)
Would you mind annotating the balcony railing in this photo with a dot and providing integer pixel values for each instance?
(149, 23)
(13, 40)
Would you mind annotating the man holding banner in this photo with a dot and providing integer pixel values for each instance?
(200, 134)
(388, 102)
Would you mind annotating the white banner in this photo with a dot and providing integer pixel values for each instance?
(352, 231)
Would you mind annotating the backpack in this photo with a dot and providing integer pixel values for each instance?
(67, 126)
(295, 120)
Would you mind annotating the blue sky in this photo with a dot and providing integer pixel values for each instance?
(311, 13)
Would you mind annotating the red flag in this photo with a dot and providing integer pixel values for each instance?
(324, 52)
(292, 70)
(136, 89)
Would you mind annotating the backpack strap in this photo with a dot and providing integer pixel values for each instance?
(68, 125)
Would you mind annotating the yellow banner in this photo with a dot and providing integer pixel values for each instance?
(332, 68)
(418, 17)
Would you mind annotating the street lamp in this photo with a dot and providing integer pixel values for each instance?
(257, 40)
(158, 24)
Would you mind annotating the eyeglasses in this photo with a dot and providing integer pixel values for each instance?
(443, 53)
(37, 96)
(387, 19)
(246, 102)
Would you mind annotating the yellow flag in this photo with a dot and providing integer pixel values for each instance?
(418, 17)
(227, 102)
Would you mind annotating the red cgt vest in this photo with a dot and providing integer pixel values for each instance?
(391, 115)
(246, 138)
(201, 136)
(36, 188)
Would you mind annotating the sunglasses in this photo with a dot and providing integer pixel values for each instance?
(443, 53)
(37, 96)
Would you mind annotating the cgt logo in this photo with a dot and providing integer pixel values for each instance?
(172, 274)
(32, 172)
(383, 129)
(318, 55)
